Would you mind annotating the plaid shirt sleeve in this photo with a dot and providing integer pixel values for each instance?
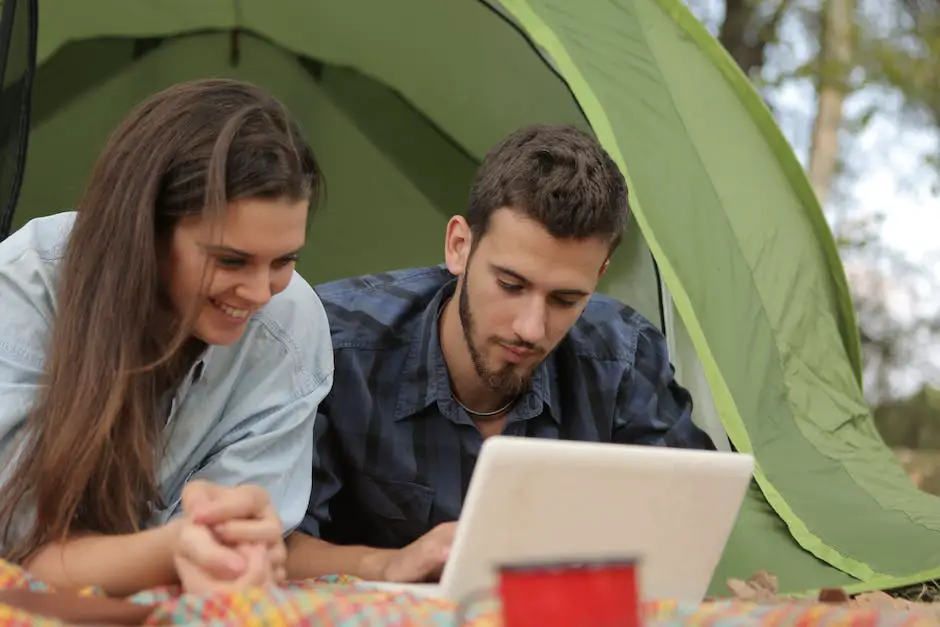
(652, 408)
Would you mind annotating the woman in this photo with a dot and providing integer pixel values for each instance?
(157, 346)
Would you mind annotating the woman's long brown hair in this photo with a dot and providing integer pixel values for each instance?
(92, 444)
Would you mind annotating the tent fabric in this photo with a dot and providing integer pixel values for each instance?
(402, 100)
(774, 326)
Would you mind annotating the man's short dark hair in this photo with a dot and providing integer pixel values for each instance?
(558, 176)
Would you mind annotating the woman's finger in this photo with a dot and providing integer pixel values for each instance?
(277, 554)
(258, 572)
(263, 531)
(245, 501)
(198, 546)
(193, 580)
(197, 493)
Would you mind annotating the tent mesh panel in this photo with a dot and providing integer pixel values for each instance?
(19, 21)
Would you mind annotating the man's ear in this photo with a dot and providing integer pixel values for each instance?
(604, 267)
(458, 241)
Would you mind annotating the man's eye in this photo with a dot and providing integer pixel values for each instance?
(509, 287)
(564, 302)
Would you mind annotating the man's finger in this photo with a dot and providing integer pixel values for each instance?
(264, 531)
(246, 501)
(197, 546)
(446, 531)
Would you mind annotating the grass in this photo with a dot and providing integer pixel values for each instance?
(928, 592)
(924, 468)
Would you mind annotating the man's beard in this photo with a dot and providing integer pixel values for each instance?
(507, 380)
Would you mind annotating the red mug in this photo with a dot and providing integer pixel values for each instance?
(588, 593)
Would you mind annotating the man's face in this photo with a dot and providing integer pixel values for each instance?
(229, 273)
(519, 293)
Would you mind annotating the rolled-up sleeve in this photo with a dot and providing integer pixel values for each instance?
(20, 377)
(24, 329)
(24, 332)
(272, 449)
(652, 408)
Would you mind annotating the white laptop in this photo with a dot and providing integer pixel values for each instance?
(537, 500)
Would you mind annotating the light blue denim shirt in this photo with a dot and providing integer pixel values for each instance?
(245, 413)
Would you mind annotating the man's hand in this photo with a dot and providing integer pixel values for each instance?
(422, 560)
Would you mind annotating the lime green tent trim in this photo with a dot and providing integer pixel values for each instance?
(408, 96)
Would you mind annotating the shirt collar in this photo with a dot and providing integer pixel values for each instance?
(424, 377)
(198, 371)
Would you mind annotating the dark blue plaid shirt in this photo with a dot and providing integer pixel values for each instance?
(393, 451)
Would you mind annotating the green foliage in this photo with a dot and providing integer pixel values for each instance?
(912, 422)
(899, 48)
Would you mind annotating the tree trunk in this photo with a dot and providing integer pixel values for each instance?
(835, 63)
(745, 35)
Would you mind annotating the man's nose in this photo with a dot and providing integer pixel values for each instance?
(530, 322)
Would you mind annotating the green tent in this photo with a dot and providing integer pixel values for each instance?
(402, 99)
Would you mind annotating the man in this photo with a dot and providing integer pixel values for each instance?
(509, 338)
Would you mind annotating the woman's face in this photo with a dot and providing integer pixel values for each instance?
(231, 270)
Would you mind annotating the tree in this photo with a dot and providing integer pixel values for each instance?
(834, 65)
(902, 53)
(748, 28)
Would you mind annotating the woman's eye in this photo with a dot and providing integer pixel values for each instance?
(286, 261)
(230, 262)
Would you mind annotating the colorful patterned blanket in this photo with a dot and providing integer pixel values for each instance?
(340, 601)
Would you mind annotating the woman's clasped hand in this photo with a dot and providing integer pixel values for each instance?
(227, 538)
